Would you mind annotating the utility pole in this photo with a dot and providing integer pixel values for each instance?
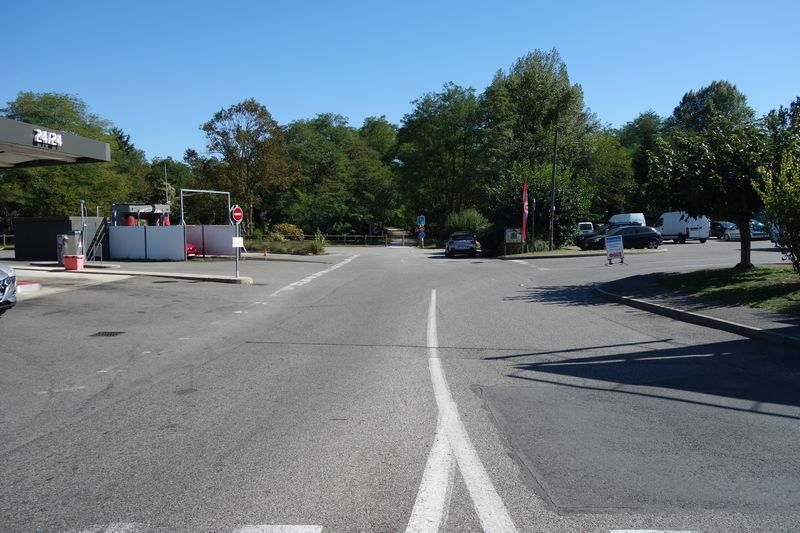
(166, 184)
(553, 182)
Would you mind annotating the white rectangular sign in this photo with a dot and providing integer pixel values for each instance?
(513, 235)
(614, 248)
(238, 242)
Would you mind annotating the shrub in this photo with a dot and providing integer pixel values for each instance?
(466, 220)
(781, 195)
(257, 234)
(290, 231)
(274, 236)
(539, 245)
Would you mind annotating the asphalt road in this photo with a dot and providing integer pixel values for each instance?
(387, 388)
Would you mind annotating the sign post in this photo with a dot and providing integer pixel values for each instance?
(421, 230)
(615, 249)
(237, 215)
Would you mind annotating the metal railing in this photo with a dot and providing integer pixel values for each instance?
(353, 239)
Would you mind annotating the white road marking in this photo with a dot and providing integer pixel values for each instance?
(312, 277)
(54, 391)
(49, 291)
(132, 527)
(266, 528)
(650, 531)
(430, 507)
(518, 261)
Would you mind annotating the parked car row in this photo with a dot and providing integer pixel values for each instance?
(632, 237)
(676, 226)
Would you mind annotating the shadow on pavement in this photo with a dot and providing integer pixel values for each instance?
(744, 369)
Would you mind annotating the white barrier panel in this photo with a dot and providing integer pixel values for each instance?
(165, 243)
(216, 240)
(153, 243)
(126, 242)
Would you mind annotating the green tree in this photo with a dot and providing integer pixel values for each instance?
(713, 173)
(697, 109)
(345, 184)
(709, 160)
(381, 136)
(781, 196)
(611, 175)
(252, 147)
(440, 154)
(639, 137)
(521, 110)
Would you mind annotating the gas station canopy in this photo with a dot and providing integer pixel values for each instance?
(28, 145)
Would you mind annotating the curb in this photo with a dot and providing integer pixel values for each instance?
(703, 320)
(242, 280)
(566, 256)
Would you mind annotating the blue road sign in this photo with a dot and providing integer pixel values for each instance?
(421, 234)
(421, 220)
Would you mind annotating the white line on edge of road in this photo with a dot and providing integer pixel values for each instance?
(452, 440)
(314, 276)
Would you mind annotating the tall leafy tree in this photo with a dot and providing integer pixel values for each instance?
(346, 182)
(252, 147)
(521, 111)
(697, 109)
(639, 137)
(611, 175)
(439, 151)
(713, 173)
(708, 162)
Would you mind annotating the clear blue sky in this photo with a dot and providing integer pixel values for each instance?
(160, 69)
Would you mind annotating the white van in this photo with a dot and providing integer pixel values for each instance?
(678, 226)
(627, 219)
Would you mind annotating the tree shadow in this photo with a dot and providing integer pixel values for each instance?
(577, 295)
(746, 369)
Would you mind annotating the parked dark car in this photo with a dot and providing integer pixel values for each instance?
(718, 228)
(461, 242)
(632, 237)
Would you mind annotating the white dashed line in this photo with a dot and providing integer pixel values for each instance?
(451, 440)
(518, 261)
(55, 391)
(312, 277)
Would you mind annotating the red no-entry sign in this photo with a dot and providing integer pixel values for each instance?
(237, 214)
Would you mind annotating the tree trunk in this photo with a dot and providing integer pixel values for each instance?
(744, 235)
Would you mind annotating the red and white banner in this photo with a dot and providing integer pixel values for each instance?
(525, 212)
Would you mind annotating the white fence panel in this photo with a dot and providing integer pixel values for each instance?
(165, 243)
(214, 239)
(126, 242)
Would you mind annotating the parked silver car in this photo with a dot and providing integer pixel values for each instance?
(8, 288)
(758, 231)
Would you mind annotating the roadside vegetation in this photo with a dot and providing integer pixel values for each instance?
(459, 156)
(773, 288)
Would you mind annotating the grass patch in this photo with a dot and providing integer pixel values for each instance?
(773, 288)
(314, 247)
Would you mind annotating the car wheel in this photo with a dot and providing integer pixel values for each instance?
(702, 241)
(726, 237)
(653, 244)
